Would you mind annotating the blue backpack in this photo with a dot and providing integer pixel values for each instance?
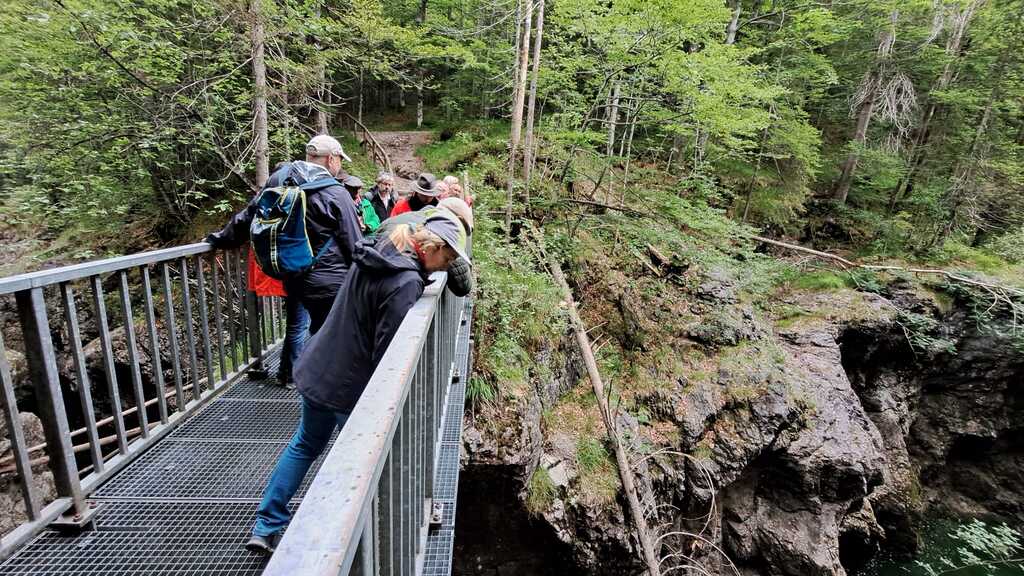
(278, 232)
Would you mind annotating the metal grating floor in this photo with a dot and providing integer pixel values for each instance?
(143, 538)
(232, 419)
(200, 470)
(261, 390)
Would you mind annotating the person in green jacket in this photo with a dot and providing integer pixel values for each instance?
(368, 219)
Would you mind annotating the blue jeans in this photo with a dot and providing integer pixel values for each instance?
(295, 333)
(307, 444)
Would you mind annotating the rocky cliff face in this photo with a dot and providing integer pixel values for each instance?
(823, 432)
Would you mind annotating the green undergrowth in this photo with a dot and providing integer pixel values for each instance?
(463, 143)
(540, 491)
(517, 307)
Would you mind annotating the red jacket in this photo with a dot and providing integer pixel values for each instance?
(401, 207)
(262, 284)
(407, 205)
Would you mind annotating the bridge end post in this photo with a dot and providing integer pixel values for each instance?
(42, 361)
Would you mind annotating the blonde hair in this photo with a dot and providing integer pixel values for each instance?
(405, 236)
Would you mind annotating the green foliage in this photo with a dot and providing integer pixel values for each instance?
(982, 550)
(923, 334)
(540, 491)
(467, 141)
(1010, 246)
(590, 454)
(479, 390)
(518, 301)
(820, 280)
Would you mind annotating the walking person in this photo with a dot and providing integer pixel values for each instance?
(425, 191)
(386, 279)
(330, 223)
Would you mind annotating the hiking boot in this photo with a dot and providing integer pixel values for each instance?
(263, 545)
(284, 382)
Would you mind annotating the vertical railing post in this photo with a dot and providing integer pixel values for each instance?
(42, 364)
(154, 344)
(84, 386)
(103, 327)
(16, 437)
(252, 305)
(133, 355)
(190, 329)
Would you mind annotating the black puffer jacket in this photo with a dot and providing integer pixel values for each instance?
(339, 359)
(329, 214)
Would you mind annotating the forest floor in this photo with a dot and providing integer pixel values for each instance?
(401, 147)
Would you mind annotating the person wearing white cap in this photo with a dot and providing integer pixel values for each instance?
(331, 224)
(387, 278)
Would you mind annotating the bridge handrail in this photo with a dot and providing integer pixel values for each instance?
(44, 278)
(348, 522)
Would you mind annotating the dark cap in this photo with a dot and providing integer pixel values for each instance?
(426, 185)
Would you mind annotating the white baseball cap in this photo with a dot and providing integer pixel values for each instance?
(324, 145)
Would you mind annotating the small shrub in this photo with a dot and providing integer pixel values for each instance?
(1010, 246)
(590, 454)
(478, 390)
(540, 491)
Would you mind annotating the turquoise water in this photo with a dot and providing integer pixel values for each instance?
(938, 540)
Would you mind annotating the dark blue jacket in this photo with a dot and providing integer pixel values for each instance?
(329, 214)
(339, 359)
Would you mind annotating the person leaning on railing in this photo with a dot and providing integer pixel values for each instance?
(330, 217)
(387, 277)
(460, 273)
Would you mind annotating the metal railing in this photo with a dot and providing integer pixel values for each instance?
(196, 314)
(369, 507)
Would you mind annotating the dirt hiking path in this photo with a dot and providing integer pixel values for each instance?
(401, 147)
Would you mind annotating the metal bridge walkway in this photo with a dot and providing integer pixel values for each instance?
(185, 504)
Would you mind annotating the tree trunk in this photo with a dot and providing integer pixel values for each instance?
(954, 51)
(734, 22)
(259, 99)
(523, 65)
(322, 93)
(613, 118)
(359, 113)
(961, 191)
(419, 106)
(648, 543)
(421, 16)
(532, 104)
(629, 154)
(864, 113)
